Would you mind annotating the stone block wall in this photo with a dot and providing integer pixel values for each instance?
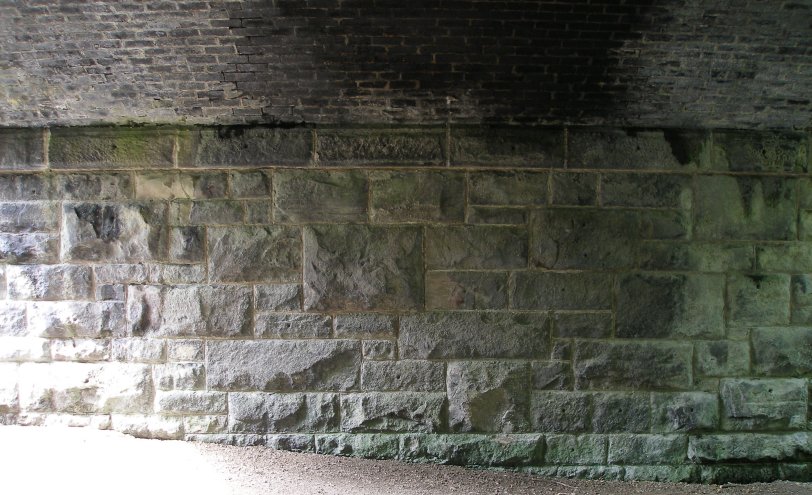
(592, 302)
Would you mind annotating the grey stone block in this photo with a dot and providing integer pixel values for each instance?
(256, 184)
(81, 350)
(207, 310)
(187, 244)
(476, 247)
(95, 186)
(356, 268)
(255, 254)
(376, 412)
(488, 396)
(185, 350)
(406, 197)
(13, 319)
(755, 299)
(763, 404)
(583, 325)
(70, 319)
(293, 326)
(371, 446)
(722, 358)
(646, 190)
(712, 257)
(26, 187)
(631, 149)
(568, 291)
(258, 212)
(665, 224)
(782, 351)
(148, 426)
(292, 443)
(632, 365)
(754, 208)
(760, 151)
(110, 147)
(554, 375)
(460, 335)
(620, 412)
(495, 215)
(190, 402)
(50, 282)
(584, 239)
(365, 326)
(377, 350)
(505, 147)
(179, 376)
(662, 474)
(283, 365)
(575, 449)
(380, 147)
(280, 297)
(9, 397)
(647, 449)
(574, 189)
(466, 290)
(508, 451)
(560, 412)
(396, 376)
(113, 233)
(651, 305)
(320, 196)
(21, 218)
(244, 147)
(206, 212)
(749, 447)
(684, 412)
(22, 149)
(140, 350)
(24, 349)
(508, 188)
(286, 413)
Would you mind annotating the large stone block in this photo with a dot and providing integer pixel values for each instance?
(476, 247)
(395, 376)
(22, 149)
(50, 282)
(750, 447)
(568, 291)
(376, 412)
(473, 450)
(95, 186)
(460, 335)
(380, 147)
(406, 197)
(801, 293)
(579, 189)
(763, 404)
(632, 149)
(507, 147)
(179, 376)
(113, 233)
(754, 208)
(782, 351)
(584, 239)
(81, 388)
(205, 310)
(82, 350)
(139, 350)
(357, 267)
(206, 212)
(508, 188)
(26, 187)
(370, 446)
(71, 319)
(278, 297)
(21, 218)
(712, 257)
(110, 147)
(560, 412)
(632, 365)
(497, 215)
(9, 380)
(552, 375)
(254, 254)
(651, 305)
(255, 184)
(620, 412)
(722, 358)
(194, 402)
(466, 290)
(684, 412)
(646, 190)
(784, 257)
(283, 365)
(187, 244)
(488, 396)
(24, 349)
(365, 326)
(756, 299)
(647, 449)
(244, 147)
(293, 326)
(574, 450)
(13, 319)
(320, 196)
(287, 413)
(760, 151)
(583, 325)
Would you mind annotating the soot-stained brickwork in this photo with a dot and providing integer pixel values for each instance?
(592, 302)
(710, 63)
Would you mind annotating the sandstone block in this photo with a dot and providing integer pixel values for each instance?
(620, 412)
(405, 197)
(190, 402)
(70, 319)
(567, 291)
(380, 147)
(488, 396)
(22, 218)
(577, 189)
(473, 450)
(684, 412)
(395, 376)
(763, 404)
(278, 297)
(758, 299)
(237, 146)
(375, 412)
(50, 282)
(112, 186)
(575, 449)
(782, 351)
(631, 149)
(466, 290)
(476, 247)
(365, 326)
(560, 412)
(647, 449)
(293, 326)
(320, 196)
(632, 365)
(112, 147)
(288, 413)
(646, 190)
(508, 188)
(505, 147)
(22, 149)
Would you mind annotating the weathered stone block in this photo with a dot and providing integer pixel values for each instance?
(763, 404)
(497, 215)
(283, 365)
(255, 254)
(722, 358)
(669, 225)
(95, 186)
(357, 267)
(497, 147)
(379, 349)
(113, 233)
(163, 185)
(508, 188)
(632, 365)
(320, 196)
(139, 350)
(466, 290)
(50, 282)
(250, 184)
(371, 446)
(662, 474)
(460, 335)
(9, 400)
(81, 388)
(288, 413)
(237, 440)
(584, 239)
(646, 190)
(559, 412)
(395, 376)
(380, 147)
(68, 319)
(754, 208)
(758, 299)
(805, 225)
(554, 375)
(180, 376)
(281, 297)
(577, 189)
(187, 244)
(647, 449)
(583, 325)
(244, 147)
(549, 290)
(760, 151)
(190, 402)
(148, 426)
(22, 149)
(476, 247)
(631, 149)
(651, 305)
(374, 412)
(207, 310)
(293, 326)
(697, 256)
(473, 450)
(259, 212)
(110, 147)
(575, 449)
(206, 212)
(208, 185)
(750, 447)
(684, 412)
(24, 349)
(404, 197)
(21, 218)
(365, 326)
(26, 187)
(13, 319)
(785, 257)
(185, 350)
(82, 350)
(488, 396)
(205, 424)
(782, 351)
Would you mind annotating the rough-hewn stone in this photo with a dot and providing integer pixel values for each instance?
(722, 357)
(364, 326)
(395, 376)
(476, 247)
(568, 291)
(473, 450)
(620, 412)
(560, 412)
(712, 257)
(488, 396)
(290, 413)
(782, 351)
(70, 319)
(22, 149)
(507, 147)
(250, 184)
(281, 297)
(763, 404)
(684, 412)
(801, 294)
(102, 148)
(244, 147)
(574, 189)
(632, 365)
(508, 188)
(583, 325)
(646, 190)
(380, 147)
(392, 412)
(21, 218)
(749, 447)
(631, 149)
(320, 196)
(254, 254)
(26, 187)
(190, 402)
(95, 186)
(81, 350)
(572, 450)
(408, 197)
(756, 299)
(180, 376)
(466, 290)
(371, 446)
(749, 151)
(553, 375)
(49, 282)
(379, 349)
(647, 449)
(292, 326)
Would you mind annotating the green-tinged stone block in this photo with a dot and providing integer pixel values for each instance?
(257, 412)
(801, 288)
(649, 449)
(507, 147)
(575, 449)
(782, 351)
(697, 256)
(761, 151)
(476, 247)
(750, 447)
(583, 325)
(111, 147)
(632, 365)
(684, 412)
(508, 188)
(755, 299)
(560, 412)
(662, 474)
(466, 290)
(320, 196)
(637, 149)
(95, 186)
(563, 291)
(239, 146)
(763, 404)
(380, 147)
(404, 197)
(488, 396)
(574, 189)
(646, 190)
(369, 446)
(473, 450)
(553, 375)
(722, 357)
(621, 412)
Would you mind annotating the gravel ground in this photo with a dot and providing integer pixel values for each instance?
(61, 460)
